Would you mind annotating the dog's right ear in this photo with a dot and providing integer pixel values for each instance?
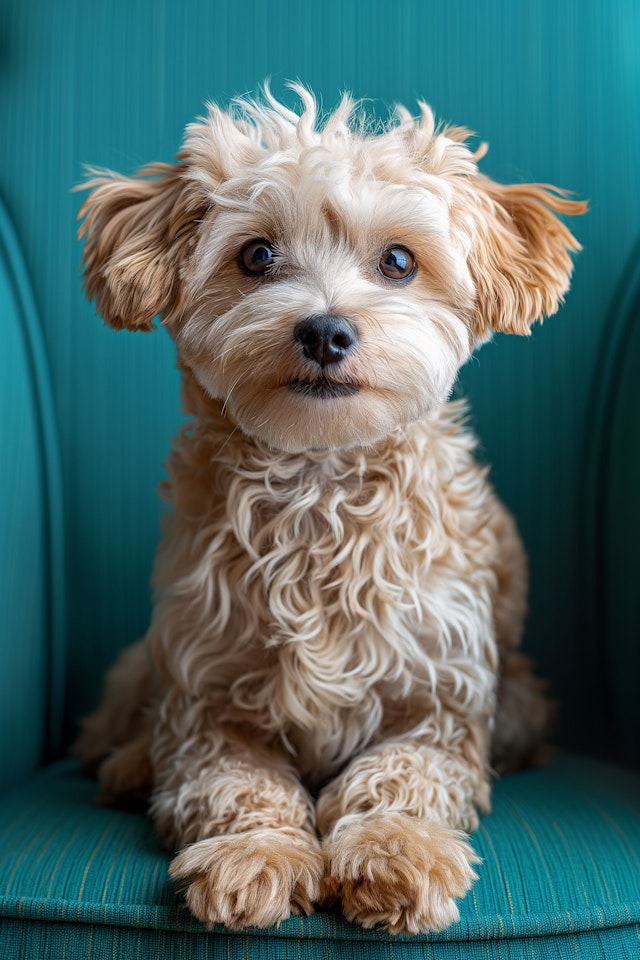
(137, 231)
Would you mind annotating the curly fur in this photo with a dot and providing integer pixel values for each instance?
(339, 589)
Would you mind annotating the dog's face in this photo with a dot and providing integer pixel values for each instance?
(325, 284)
(327, 299)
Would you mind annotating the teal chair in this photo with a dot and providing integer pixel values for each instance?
(86, 419)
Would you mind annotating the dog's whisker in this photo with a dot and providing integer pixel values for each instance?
(227, 399)
(227, 440)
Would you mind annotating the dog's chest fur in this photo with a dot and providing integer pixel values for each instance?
(333, 596)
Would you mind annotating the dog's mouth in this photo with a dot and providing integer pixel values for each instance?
(321, 388)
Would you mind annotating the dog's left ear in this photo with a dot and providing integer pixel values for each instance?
(520, 262)
(137, 231)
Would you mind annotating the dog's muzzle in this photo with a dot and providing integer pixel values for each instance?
(325, 340)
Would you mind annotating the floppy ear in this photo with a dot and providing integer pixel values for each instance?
(521, 262)
(136, 231)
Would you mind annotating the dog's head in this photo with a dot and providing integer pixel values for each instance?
(325, 281)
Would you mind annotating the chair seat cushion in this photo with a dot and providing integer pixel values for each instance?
(560, 878)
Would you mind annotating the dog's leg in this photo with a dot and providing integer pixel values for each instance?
(114, 741)
(524, 719)
(392, 824)
(525, 715)
(244, 825)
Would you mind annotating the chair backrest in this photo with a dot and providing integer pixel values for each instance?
(32, 630)
(616, 515)
(555, 88)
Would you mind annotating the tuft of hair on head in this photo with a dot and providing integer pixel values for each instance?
(277, 124)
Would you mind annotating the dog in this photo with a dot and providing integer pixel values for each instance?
(332, 673)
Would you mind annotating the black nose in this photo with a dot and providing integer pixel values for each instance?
(326, 339)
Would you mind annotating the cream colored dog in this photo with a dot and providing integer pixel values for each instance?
(332, 661)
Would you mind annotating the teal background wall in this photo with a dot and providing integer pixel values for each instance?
(552, 85)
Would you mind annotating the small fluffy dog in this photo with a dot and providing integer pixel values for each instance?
(332, 669)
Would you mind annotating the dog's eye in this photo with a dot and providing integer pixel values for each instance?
(257, 256)
(397, 263)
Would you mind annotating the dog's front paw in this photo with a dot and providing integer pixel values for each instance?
(394, 871)
(257, 878)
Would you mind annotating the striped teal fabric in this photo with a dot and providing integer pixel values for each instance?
(560, 878)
